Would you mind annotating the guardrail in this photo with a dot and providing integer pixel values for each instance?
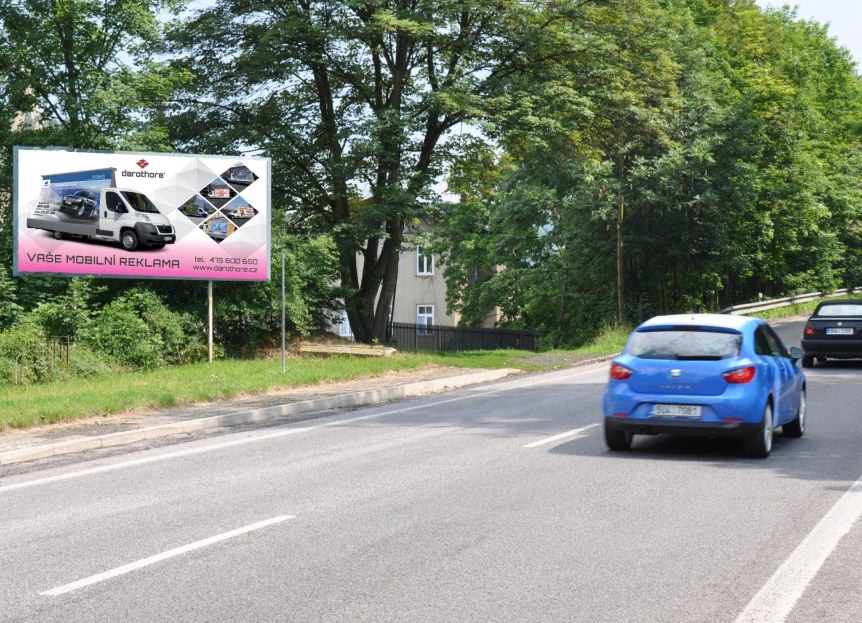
(747, 308)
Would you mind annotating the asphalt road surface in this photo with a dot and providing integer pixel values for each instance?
(496, 503)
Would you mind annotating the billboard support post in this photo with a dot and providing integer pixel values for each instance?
(137, 215)
(210, 321)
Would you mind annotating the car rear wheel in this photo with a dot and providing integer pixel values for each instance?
(796, 427)
(808, 361)
(617, 440)
(759, 445)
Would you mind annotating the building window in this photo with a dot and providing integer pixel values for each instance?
(424, 263)
(424, 318)
(344, 329)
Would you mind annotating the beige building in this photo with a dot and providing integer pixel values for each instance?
(420, 293)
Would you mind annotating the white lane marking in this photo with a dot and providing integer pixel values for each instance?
(139, 564)
(776, 599)
(571, 433)
(477, 393)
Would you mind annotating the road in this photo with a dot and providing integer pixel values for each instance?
(496, 503)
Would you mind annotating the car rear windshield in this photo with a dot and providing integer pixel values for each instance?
(845, 309)
(684, 344)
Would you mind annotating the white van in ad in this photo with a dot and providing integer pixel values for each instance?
(86, 204)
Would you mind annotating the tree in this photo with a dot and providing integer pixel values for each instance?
(82, 70)
(79, 74)
(694, 154)
(358, 103)
(585, 123)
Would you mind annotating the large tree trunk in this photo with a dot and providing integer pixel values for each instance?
(374, 283)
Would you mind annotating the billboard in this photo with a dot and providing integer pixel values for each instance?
(141, 215)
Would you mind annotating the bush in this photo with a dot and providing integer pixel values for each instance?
(121, 333)
(24, 355)
(138, 330)
(67, 313)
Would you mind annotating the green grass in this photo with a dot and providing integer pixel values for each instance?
(610, 340)
(32, 405)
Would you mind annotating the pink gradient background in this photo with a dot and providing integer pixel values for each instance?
(178, 178)
(186, 252)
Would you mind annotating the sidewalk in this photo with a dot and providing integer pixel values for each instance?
(17, 446)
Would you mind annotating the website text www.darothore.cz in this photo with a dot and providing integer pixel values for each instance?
(228, 269)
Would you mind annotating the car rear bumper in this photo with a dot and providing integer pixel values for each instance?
(840, 348)
(695, 429)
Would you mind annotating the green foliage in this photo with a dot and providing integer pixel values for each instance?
(79, 69)
(248, 316)
(24, 356)
(690, 156)
(67, 313)
(10, 309)
(138, 330)
(81, 362)
(28, 355)
(360, 106)
(612, 160)
(121, 332)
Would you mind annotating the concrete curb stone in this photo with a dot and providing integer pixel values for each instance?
(282, 408)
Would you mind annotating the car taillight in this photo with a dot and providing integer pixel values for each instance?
(740, 375)
(619, 373)
(809, 330)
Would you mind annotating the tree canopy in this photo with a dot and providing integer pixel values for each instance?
(611, 159)
(704, 163)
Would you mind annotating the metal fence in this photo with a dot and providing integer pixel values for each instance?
(436, 337)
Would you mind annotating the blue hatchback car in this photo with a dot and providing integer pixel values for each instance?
(705, 375)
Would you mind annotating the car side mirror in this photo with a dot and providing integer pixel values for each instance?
(796, 353)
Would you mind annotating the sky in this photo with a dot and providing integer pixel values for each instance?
(844, 18)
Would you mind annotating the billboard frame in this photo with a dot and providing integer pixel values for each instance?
(67, 224)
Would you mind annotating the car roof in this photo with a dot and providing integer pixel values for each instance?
(841, 302)
(724, 321)
(853, 304)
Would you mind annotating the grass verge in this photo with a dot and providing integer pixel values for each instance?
(33, 405)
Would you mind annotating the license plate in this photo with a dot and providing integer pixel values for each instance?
(688, 412)
(839, 331)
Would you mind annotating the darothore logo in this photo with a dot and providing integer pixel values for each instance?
(143, 164)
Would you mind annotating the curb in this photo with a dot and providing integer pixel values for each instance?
(355, 399)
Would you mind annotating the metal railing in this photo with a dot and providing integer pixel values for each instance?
(747, 308)
(442, 338)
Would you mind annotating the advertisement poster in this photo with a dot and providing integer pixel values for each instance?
(141, 215)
